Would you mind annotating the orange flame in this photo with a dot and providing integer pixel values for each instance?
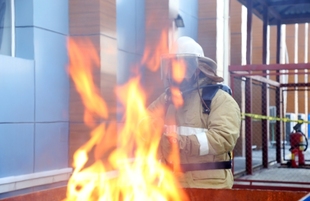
(151, 57)
(178, 70)
(176, 96)
(80, 71)
(126, 167)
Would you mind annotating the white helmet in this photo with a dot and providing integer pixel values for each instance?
(190, 52)
(187, 45)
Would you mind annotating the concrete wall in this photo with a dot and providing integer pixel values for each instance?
(95, 21)
(130, 36)
(130, 39)
(207, 27)
(117, 29)
(189, 12)
(34, 90)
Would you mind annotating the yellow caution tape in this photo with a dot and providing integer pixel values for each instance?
(258, 116)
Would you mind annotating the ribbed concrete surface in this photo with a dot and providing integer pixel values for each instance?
(281, 174)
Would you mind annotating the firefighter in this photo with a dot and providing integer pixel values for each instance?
(205, 127)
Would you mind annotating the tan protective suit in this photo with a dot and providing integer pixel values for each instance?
(202, 137)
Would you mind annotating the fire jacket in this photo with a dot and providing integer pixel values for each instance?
(203, 137)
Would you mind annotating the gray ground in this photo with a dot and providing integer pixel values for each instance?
(276, 172)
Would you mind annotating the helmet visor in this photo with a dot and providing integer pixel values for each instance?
(175, 68)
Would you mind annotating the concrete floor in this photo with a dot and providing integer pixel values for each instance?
(277, 174)
(239, 162)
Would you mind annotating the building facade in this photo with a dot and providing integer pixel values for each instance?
(41, 113)
(34, 91)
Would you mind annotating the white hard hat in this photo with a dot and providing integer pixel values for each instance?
(187, 45)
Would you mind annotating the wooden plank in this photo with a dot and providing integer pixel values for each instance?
(206, 9)
(94, 20)
(108, 18)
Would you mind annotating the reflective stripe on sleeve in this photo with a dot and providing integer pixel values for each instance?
(203, 141)
(184, 130)
(170, 129)
(200, 134)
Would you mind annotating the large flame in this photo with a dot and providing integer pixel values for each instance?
(126, 167)
(178, 73)
(151, 56)
(151, 59)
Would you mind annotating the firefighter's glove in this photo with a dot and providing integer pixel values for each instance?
(172, 144)
(179, 140)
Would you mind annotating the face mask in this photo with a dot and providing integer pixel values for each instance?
(179, 70)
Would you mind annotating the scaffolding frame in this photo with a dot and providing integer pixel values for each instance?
(260, 72)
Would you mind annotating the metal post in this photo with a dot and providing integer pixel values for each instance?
(265, 104)
(248, 126)
(278, 101)
(232, 89)
(248, 94)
